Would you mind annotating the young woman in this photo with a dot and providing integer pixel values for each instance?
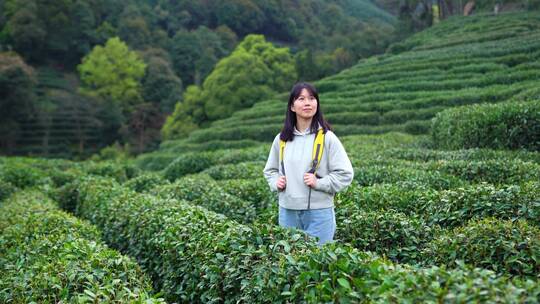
(306, 189)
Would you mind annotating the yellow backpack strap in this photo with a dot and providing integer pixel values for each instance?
(281, 153)
(318, 148)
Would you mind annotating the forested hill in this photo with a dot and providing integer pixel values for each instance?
(179, 42)
(461, 61)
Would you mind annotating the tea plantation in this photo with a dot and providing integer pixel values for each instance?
(443, 132)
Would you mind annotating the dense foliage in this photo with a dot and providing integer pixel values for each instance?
(180, 43)
(513, 125)
(254, 71)
(177, 242)
(113, 72)
(404, 91)
(244, 256)
(417, 224)
(47, 255)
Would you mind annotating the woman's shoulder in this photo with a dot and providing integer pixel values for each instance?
(276, 138)
(330, 135)
(331, 139)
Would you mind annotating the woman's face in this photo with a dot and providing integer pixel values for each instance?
(305, 106)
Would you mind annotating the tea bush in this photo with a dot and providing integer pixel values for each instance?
(47, 255)
(198, 256)
(389, 233)
(244, 170)
(512, 125)
(203, 191)
(258, 193)
(146, 182)
(490, 171)
(375, 172)
(505, 246)
(455, 207)
(190, 163)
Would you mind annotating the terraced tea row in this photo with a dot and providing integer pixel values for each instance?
(403, 92)
(47, 255)
(169, 236)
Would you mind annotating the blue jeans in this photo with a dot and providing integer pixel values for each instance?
(320, 223)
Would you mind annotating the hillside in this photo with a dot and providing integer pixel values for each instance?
(416, 225)
(461, 61)
(180, 43)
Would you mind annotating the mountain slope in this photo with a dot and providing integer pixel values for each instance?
(482, 59)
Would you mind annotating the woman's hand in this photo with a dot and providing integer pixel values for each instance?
(310, 180)
(281, 183)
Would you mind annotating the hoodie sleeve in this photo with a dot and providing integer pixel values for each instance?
(340, 168)
(271, 170)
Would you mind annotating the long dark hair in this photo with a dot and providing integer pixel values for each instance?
(287, 133)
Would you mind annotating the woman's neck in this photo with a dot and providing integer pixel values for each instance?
(303, 124)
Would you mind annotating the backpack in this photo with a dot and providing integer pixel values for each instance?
(318, 148)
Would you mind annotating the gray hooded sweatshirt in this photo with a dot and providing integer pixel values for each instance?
(335, 171)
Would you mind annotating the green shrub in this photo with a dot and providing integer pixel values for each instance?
(244, 170)
(48, 256)
(512, 125)
(62, 177)
(402, 116)
(407, 198)
(389, 233)
(508, 247)
(531, 94)
(197, 256)
(67, 196)
(6, 189)
(155, 161)
(120, 171)
(23, 174)
(146, 182)
(418, 126)
(258, 193)
(114, 152)
(202, 191)
(490, 171)
(376, 172)
(192, 254)
(182, 146)
(358, 118)
(259, 153)
(196, 162)
(455, 207)
(258, 133)
(342, 275)
(475, 154)
(447, 208)
(190, 163)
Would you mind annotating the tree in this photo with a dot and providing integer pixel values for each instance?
(342, 58)
(254, 71)
(2, 16)
(133, 28)
(114, 73)
(242, 16)
(83, 32)
(278, 60)
(187, 14)
(195, 54)
(25, 29)
(160, 84)
(305, 65)
(185, 116)
(227, 36)
(17, 99)
(237, 82)
(144, 125)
